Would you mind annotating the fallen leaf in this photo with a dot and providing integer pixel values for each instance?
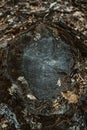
(70, 96)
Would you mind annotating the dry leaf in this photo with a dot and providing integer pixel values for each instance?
(70, 96)
(56, 104)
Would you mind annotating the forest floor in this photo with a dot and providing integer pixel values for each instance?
(16, 17)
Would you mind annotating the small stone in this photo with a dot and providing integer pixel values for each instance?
(44, 61)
